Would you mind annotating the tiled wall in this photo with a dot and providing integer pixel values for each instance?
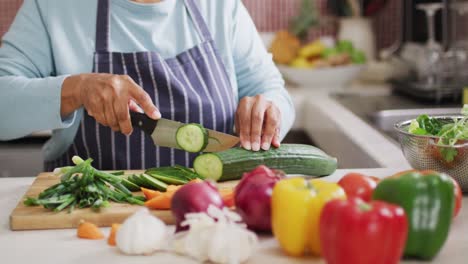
(272, 15)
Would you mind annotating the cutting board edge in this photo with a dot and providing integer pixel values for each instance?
(20, 220)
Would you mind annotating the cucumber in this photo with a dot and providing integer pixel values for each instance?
(130, 185)
(136, 179)
(192, 137)
(290, 158)
(153, 183)
(176, 171)
(168, 179)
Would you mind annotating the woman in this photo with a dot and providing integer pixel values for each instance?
(79, 67)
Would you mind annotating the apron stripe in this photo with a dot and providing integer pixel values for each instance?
(200, 100)
(83, 137)
(216, 87)
(198, 19)
(185, 112)
(192, 115)
(156, 97)
(142, 134)
(224, 78)
(127, 138)
(208, 95)
(98, 136)
(171, 100)
(112, 135)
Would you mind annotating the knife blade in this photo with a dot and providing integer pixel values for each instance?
(163, 132)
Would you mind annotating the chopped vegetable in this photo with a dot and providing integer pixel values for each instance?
(141, 233)
(83, 186)
(449, 133)
(161, 200)
(113, 234)
(150, 194)
(89, 230)
(215, 236)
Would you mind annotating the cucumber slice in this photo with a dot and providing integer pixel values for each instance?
(130, 185)
(192, 137)
(209, 166)
(176, 171)
(138, 181)
(153, 183)
(168, 178)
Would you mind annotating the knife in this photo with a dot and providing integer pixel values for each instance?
(163, 132)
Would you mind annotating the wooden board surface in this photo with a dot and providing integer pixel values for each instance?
(36, 217)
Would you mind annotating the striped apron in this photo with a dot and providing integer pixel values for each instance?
(191, 87)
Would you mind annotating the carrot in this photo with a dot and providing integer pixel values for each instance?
(149, 194)
(162, 201)
(228, 197)
(173, 188)
(113, 234)
(89, 231)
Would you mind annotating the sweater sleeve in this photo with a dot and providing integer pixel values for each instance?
(30, 93)
(256, 72)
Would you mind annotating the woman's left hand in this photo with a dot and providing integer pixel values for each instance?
(258, 123)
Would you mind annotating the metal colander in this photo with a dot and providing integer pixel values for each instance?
(423, 152)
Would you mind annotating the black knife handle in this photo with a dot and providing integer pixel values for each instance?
(143, 122)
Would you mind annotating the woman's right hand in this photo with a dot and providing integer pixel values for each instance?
(108, 98)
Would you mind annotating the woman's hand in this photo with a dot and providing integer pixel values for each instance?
(258, 123)
(108, 98)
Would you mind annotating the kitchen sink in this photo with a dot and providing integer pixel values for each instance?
(383, 111)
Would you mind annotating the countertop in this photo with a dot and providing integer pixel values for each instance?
(339, 132)
(62, 246)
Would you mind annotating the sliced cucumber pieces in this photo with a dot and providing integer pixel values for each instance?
(192, 137)
(130, 185)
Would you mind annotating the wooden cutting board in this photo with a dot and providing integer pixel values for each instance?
(36, 217)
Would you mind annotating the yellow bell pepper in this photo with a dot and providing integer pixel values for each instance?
(296, 206)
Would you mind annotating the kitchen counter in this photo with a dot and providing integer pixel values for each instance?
(340, 132)
(62, 246)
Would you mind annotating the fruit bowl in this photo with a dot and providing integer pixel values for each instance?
(337, 77)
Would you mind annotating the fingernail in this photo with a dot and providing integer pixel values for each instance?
(256, 146)
(156, 114)
(265, 146)
(247, 145)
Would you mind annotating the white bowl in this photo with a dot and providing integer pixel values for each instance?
(324, 78)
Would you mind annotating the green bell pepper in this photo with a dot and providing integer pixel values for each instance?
(428, 200)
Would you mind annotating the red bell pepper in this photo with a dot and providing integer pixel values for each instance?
(355, 232)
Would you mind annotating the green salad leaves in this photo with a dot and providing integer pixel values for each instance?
(449, 133)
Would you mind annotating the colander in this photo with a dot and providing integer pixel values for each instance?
(424, 153)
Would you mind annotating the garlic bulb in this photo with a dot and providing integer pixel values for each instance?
(141, 233)
(216, 236)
